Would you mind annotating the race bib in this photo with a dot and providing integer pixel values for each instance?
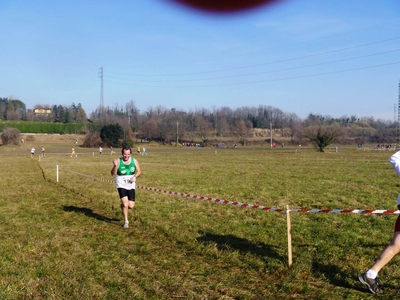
(124, 182)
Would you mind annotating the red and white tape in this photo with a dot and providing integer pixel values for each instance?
(260, 207)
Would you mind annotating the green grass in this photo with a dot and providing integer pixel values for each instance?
(64, 240)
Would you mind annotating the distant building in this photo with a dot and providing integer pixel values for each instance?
(42, 110)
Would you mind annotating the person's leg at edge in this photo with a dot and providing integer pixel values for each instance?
(390, 250)
(386, 255)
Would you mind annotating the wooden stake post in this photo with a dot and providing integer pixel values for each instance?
(289, 237)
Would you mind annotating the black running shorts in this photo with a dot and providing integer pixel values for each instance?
(126, 193)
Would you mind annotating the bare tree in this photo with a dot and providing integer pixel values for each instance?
(80, 114)
(10, 136)
(295, 126)
(92, 139)
(313, 119)
(166, 123)
(12, 109)
(223, 117)
(13, 115)
(149, 129)
(243, 130)
(190, 125)
(322, 136)
(133, 113)
(203, 128)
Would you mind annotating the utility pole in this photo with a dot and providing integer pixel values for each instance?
(177, 136)
(270, 129)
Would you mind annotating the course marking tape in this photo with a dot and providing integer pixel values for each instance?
(260, 207)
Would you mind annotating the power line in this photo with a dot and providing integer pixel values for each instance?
(263, 81)
(263, 72)
(273, 62)
(276, 47)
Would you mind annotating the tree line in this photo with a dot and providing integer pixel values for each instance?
(210, 125)
(15, 110)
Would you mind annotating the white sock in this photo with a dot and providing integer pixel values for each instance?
(371, 274)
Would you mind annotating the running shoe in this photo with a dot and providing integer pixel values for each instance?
(126, 224)
(372, 284)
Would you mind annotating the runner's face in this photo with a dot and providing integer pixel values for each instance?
(126, 155)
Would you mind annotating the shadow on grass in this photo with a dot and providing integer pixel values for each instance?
(227, 242)
(88, 212)
(335, 276)
(338, 278)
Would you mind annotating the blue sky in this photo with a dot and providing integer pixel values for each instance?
(303, 56)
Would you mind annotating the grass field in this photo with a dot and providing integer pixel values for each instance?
(64, 240)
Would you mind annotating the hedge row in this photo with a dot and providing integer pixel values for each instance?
(45, 127)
